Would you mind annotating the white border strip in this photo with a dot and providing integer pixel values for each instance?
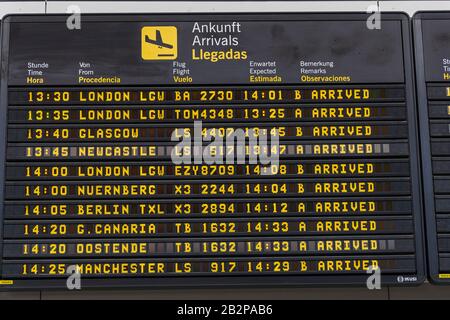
(412, 7)
(208, 6)
(21, 7)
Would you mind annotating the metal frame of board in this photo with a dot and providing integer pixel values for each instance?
(430, 231)
(239, 281)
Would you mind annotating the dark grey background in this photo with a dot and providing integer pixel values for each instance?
(436, 41)
(114, 48)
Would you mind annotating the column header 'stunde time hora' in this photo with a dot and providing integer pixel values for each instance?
(94, 118)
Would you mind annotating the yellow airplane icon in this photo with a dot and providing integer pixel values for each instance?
(159, 43)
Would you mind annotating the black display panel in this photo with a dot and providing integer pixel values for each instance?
(432, 54)
(98, 174)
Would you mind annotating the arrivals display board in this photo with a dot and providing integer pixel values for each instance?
(197, 150)
(432, 53)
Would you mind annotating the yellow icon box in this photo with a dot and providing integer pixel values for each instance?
(159, 43)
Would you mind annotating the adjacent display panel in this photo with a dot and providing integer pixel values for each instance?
(130, 151)
(432, 54)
